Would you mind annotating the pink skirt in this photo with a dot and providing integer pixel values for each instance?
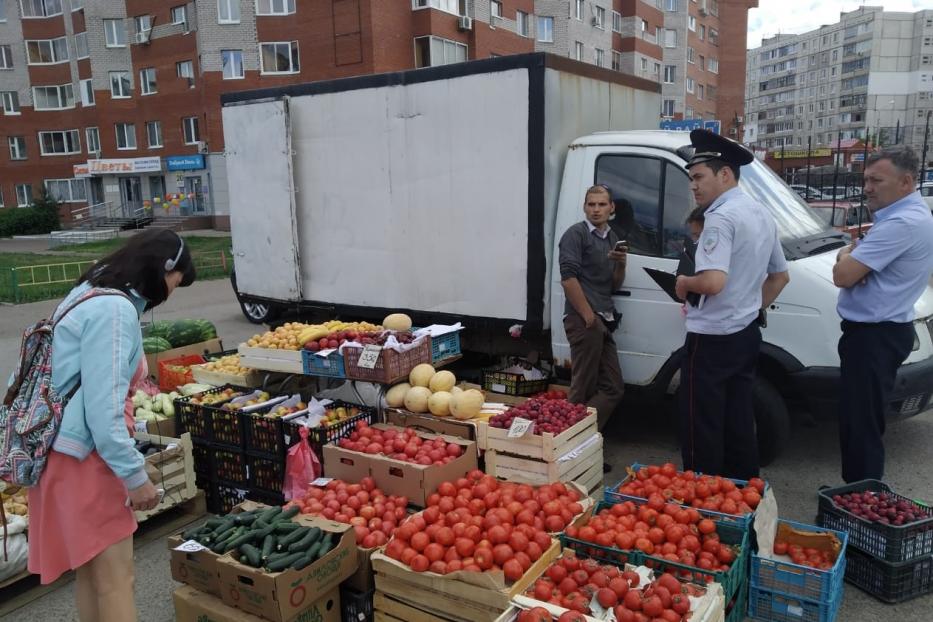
(76, 512)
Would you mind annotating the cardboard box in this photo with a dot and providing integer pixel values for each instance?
(211, 346)
(285, 596)
(466, 429)
(395, 477)
(363, 580)
(194, 606)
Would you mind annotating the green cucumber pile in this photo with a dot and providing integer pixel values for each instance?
(264, 538)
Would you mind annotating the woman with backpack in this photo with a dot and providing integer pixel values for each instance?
(81, 511)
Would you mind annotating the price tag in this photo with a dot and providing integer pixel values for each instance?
(191, 546)
(141, 425)
(795, 610)
(369, 356)
(520, 427)
(598, 611)
(322, 481)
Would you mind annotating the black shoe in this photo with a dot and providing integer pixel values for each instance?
(607, 468)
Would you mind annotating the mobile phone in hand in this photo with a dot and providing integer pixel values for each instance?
(621, 246)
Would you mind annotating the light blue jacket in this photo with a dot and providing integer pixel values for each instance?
(101, 341)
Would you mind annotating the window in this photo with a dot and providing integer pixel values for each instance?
(644, 26)
(126, 136)
(643, 203)
(448, 6)
(713, 65)
(189, 127)
(67, 190)
(578, 9)
(714, 36)
(546, 29)
(120, 84)
(143, 23)
(154, 134)
(600, 17)
(77, 5)
(670, 74)
(179, 15)
(644, 64)
(115, 33)
(53, 97)
(599, 57)
(47, 51)
(702, 62)
(279, 57)
(87, 92)
(17, 147)
(670, 38)
(185, 69)
(228, 11)
(702, 33)
(667, 108)
(433, 51)
(700, 91)
(92, 136)
(522, 26)
(59, 143)
(578, 50)
(10, 102)
(275, 7)
(670, 5)
(81, 50)
(41, 8)
(692, 23)
(147, 81)
(689, 113)
(23, 195)
(616, 60)
(691, 55)
(616, 21)
(6, 57)
(691, 84)
(232, 61)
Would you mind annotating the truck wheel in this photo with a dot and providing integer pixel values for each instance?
(771, 420)
(258, 312)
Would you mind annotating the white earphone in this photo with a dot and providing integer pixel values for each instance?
(171, 263)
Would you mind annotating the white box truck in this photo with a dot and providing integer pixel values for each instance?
(443, 193)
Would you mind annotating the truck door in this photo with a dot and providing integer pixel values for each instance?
(262, 199)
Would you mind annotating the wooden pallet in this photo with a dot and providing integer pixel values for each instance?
(582, 469)
(548, 447)
(174, 468)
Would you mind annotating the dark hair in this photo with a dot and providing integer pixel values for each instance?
(697, 215)
(141, 263)
(718, 165)
(598, 189)
(902, 157)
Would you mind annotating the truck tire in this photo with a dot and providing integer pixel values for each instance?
(772, 421)
(255, 311)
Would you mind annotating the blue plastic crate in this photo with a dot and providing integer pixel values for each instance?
(799, 581)
(445, 346)
(773, 606)
(331, 366)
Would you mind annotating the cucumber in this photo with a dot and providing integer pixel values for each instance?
(251, 554)
(282, 563)
(326, 545)
(260, 534)
(307, 540)
(269, 514)
(315, 549)
(213, 523)
(245, 518)
(293, 536)
(303, 561)
(286, 527)
(288, 514)
(239, 541)
(192, 532)
(268, 545)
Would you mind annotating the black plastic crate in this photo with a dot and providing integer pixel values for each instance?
(498, 380)
(888, 542)
(356, 606)
(266, 474)
(222, 498)
(210, 423)
(265, 497)
(229, 465)
(201, 455)
(320, 436)
(271, 437)
(889, 582)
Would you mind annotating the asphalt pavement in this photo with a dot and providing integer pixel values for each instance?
(643, 433)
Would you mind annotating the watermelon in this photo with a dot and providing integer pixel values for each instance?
(181, 333)
(160, 328)
(151, 345)
(208, 331)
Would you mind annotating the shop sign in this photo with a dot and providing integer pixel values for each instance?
(80, 170)
(184, 163)
(124, 166)
(800, 153)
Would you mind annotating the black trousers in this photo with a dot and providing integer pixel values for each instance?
(869, 356)
(717, 421)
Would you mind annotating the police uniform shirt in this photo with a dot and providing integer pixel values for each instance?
(899, 250)
(739, 238)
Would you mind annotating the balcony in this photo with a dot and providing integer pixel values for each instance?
(650, 38)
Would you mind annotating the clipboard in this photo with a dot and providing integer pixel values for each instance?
(665, 281)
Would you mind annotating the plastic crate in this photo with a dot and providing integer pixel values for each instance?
(229, 465)
(265, 497)
(271, 437)
(169, 379)
(794, 580)
(266, 474)
(611, 496)
(201, 455)
(391, 366)
(887, 542)
(889, 582)
(774, 606)
(356, 606)
(198, 419)
(445, 346)
(729, 533)
(222, 498)
(331, 366)
(320, 436)
(500, 381)
(737, 608)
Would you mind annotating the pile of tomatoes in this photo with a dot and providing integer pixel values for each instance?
(401, 444)
(672, 532)
(373, 514)
(707, 492)
(479, 524)
(805, 556)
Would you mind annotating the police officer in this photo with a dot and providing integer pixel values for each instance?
(740, 268)
(881, 277)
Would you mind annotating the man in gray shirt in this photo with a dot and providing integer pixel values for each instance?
(592, 266)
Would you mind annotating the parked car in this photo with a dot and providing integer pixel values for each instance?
(926, 191)
(807, 193)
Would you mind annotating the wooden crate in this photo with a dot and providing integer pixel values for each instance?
(463, 428)
(287, 361)
(581, 469)
(548, 447)
(175, 466)
(461, 597)
(253, 378)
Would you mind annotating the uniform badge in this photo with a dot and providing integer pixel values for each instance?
(710, 239)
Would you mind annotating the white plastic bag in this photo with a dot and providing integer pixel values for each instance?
(17, 550)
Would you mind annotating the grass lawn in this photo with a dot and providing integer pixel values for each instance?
(212, 260)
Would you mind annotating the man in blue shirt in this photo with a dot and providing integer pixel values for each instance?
(881, 277)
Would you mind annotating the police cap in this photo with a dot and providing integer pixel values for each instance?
(710, 146)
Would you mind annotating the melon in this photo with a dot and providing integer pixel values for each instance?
(442, 381)
(466, 404)
(455, 390)
(395, 397)
(439, 403)
(416, 400)
(397, 321)
(421, 375)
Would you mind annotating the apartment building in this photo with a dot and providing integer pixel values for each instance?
(118, 101)
(869, 74)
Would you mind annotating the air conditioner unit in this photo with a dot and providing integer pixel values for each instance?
(202, 146)
(702, 8)
(143, 37)
(464, 23)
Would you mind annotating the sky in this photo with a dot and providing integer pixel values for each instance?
(797, 16)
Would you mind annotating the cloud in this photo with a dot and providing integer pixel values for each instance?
(798, 16)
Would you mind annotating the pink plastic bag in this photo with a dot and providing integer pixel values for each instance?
(301, 468)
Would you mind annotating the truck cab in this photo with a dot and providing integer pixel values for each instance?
(798, 361)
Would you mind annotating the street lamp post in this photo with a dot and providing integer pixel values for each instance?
(926, 138)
